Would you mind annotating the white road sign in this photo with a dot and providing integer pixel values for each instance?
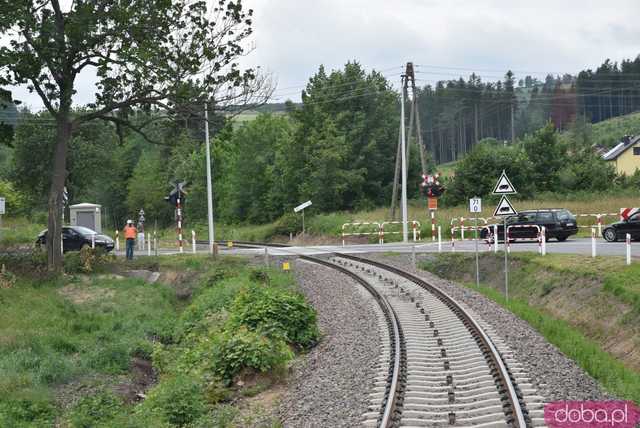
(302, 206)
(504, 208)
(504, 186)
(1, 206)
(475, 205)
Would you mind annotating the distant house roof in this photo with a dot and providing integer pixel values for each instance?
(620, 148)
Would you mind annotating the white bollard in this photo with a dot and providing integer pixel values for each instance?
(462, 228)
(439, 239)
(193, 240)
(593, 242)
(93, 240)
(495, 238)
(148, 247)
(433, 225)
(599, 225)
(117, 241)
(413, 223)
(544, 241)
(628, 249)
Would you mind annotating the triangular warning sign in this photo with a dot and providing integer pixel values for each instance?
(504, 208)
(504, 186)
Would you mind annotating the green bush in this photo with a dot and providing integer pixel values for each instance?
(95, 410)
(178, 400)
(28, 411)
(86, 260)
(30, 263)
(234, 351)
(277, 313)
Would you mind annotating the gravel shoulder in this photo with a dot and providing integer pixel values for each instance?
(328, 387)
(555, 376)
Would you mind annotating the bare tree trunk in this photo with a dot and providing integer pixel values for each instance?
(59, 176)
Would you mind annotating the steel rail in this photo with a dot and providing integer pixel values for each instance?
(505, 378)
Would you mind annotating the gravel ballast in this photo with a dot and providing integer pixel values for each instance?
(555, 376)
(328, 387)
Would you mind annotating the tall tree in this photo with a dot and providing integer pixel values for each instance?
(145, 53)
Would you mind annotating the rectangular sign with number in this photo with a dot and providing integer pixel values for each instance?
(475, 205)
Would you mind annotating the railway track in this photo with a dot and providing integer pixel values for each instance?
(438, 365)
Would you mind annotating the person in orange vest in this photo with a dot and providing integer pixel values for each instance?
(130, 233)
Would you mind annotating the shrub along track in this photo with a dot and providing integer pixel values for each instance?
(442, 368)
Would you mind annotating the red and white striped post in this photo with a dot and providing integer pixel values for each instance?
(628, 248)
(179, 215)
(433, 225)
(593, 242)
(381, 234)
(413, 226)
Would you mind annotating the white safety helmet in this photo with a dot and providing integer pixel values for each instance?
(129, 221)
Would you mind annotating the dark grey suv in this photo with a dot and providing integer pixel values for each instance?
(559, 223)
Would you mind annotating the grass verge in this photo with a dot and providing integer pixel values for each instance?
(82, 350)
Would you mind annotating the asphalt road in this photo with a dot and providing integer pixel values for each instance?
(570, 246)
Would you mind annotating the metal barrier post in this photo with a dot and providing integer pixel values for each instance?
(439, 239)
(433, 225)
(628, 249)
(593, 242)
(599, 225)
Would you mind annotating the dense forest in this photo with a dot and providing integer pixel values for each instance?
(337, 147)
(456, 114)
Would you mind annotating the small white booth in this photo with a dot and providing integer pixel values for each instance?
(87, 215)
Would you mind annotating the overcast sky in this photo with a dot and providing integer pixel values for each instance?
(446, 38)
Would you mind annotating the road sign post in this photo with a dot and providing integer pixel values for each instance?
(301, 207)
(475, 207)
(504, 187)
